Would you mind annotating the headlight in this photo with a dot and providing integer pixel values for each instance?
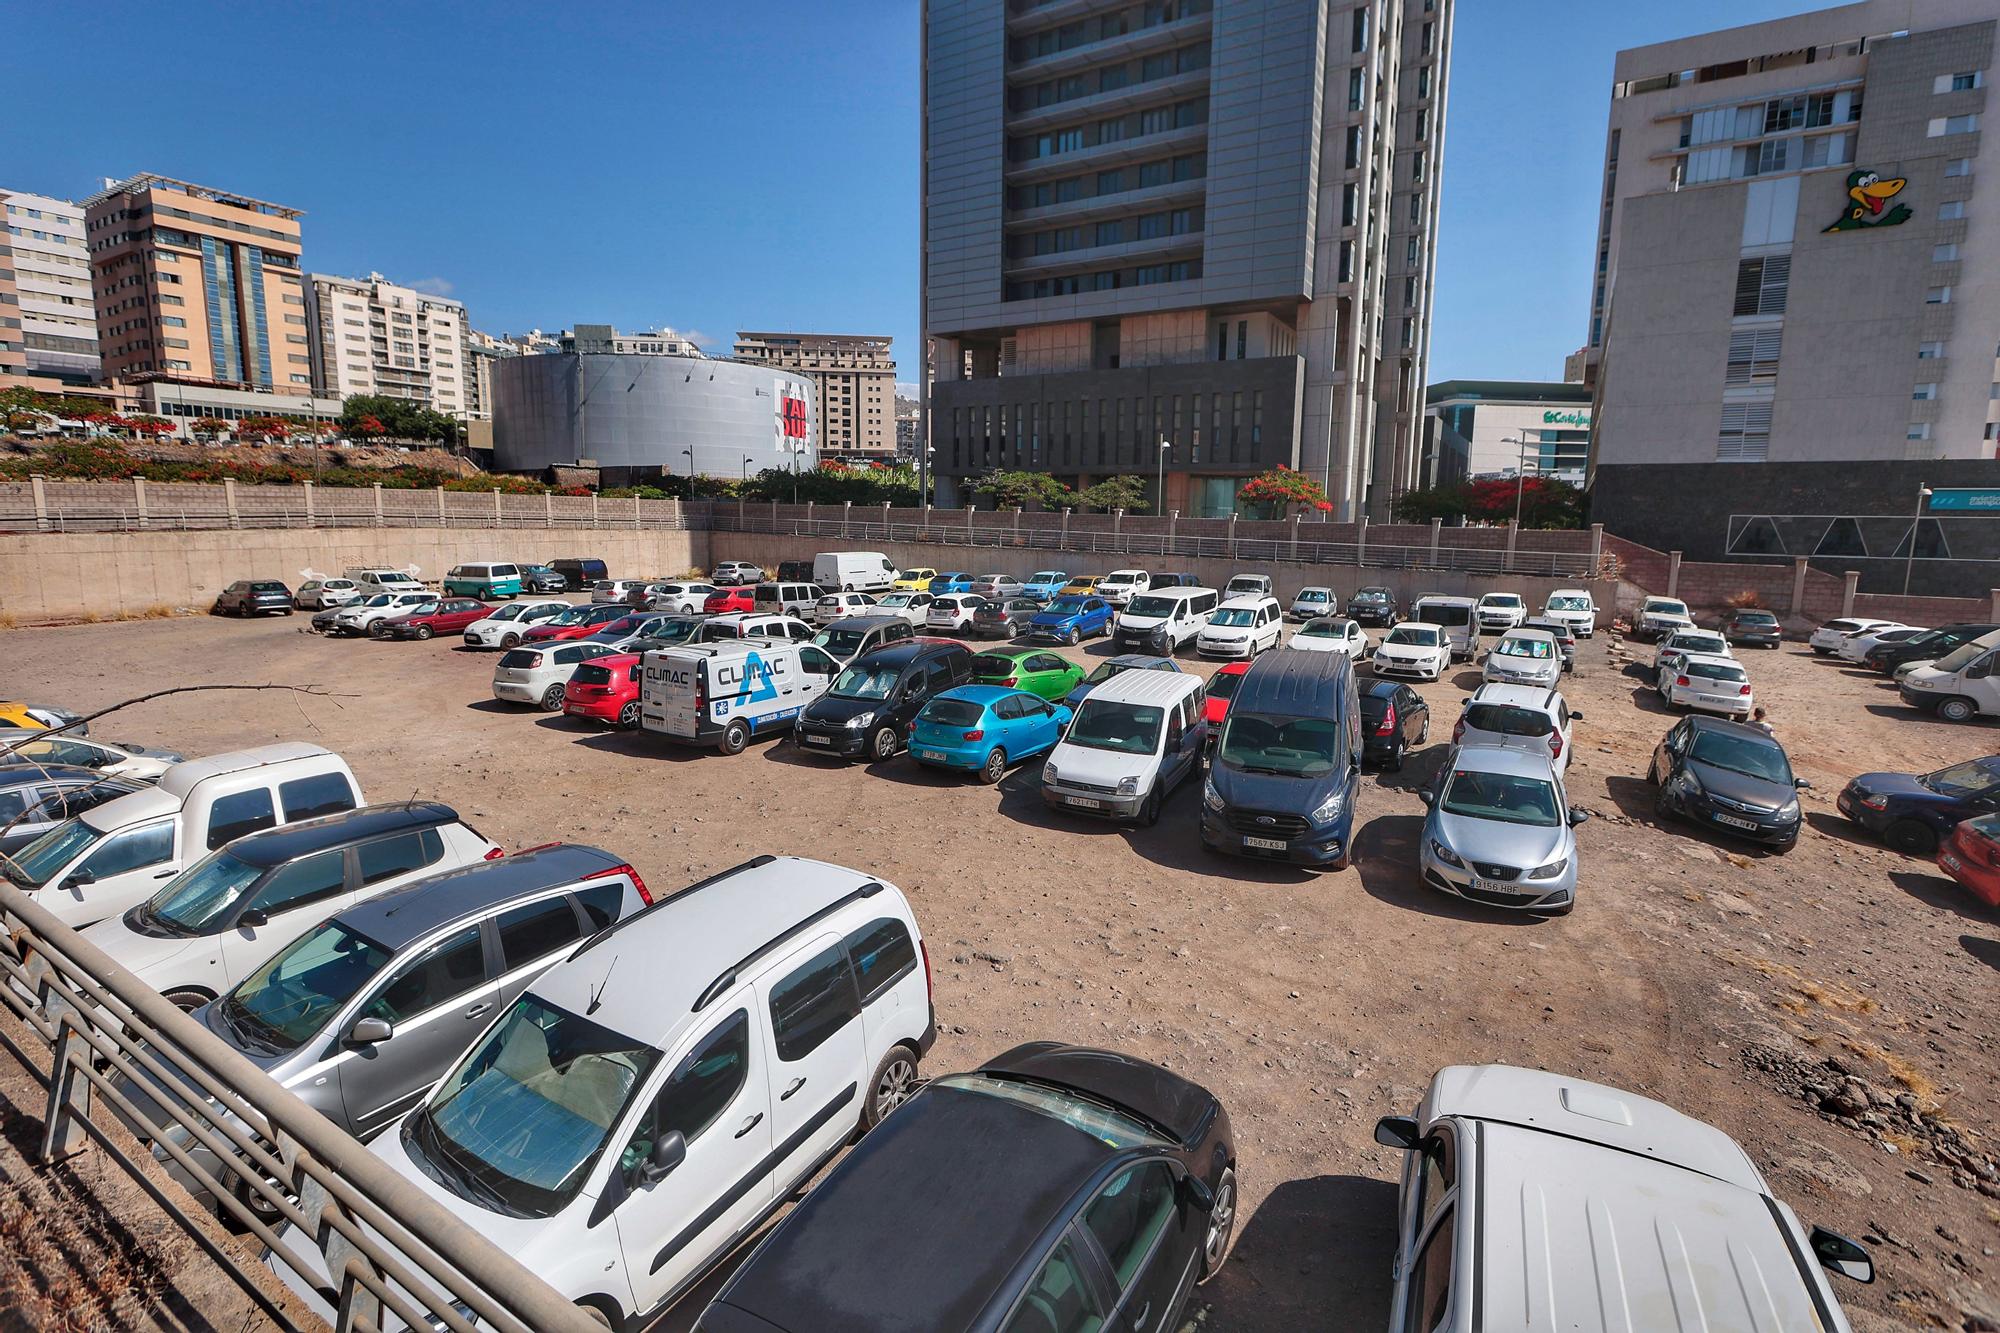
(1210, 797)
(1789, 810)
(1445, 854)
(1686, 786)
(1330, 808)
(1128, 786)
(1049, 774)
(1551, 870)
(860, 721)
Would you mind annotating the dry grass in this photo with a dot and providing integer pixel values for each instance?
(8, 620)
(1913, 1079)
(157, 611)
(1828, 995)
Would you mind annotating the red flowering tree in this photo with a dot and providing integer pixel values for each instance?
(1282, 486)
(263, 428)
(207, 428)
(368, 425)
(152, 427)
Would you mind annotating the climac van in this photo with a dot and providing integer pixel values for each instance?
(1164, 620)
(722, 694)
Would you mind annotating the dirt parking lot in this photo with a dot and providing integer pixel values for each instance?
(1719, 978)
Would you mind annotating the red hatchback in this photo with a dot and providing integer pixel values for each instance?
(724, 600)
(1971, 855)
(576, 623)
(428, 619)
(605, 689)
(1221, 689)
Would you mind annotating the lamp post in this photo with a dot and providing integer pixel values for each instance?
(1160, 481)
(1910, 562)
(746, 467)
(1520, 474)
(690, 458)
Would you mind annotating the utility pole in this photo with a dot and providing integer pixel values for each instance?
(1160, 485)
(1910, 562)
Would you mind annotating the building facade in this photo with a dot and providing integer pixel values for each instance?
(1506, 428)
(1794, 323)
(197, 285)
(371, 336)
(1203, 224)
(52, 278)
(856, 375)
(13, 354)
(603, 338)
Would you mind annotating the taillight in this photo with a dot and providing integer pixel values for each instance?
(1555, 745)
(1680, 680)
(1388, 727)
(494, 854)
(1458, 731)
(1745, 690)
(645, 896)
(1010, 682)
(975, 734)
(924, 946)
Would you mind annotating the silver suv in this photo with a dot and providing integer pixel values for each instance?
(1528, 718)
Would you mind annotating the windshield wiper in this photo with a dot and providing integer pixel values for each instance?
(460, 1170)
(1257, 768)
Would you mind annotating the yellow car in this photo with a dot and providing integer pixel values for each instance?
(914, 580)
(35, 718)
(1080, 586)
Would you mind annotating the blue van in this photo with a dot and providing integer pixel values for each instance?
(1285, 776)
(487, 580)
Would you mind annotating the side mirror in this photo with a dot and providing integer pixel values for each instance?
(1426, 795)
(1838, 1254)
(79, 877)
(667, 1154)
(1397, 1131)
(1578, 815)
(1802, 784)
(1575, 716)
(1196, 1193)
(255, 916)
(369, 1031)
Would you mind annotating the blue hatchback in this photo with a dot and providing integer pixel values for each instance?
(1072, 618)
(1044, 584)
(983, 728)
(951, 581)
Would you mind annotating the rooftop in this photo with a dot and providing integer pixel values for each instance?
(146, 180)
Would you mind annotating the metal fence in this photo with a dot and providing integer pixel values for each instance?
(385, 1243)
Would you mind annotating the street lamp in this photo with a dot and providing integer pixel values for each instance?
(1909, 564)
(1160, 484)
(690, 458)
(746, 467)
(1520, 473)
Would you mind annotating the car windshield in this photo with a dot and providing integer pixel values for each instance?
(952, 713)
(896, 599)
(1569, 604)
(1967, 779)
(283, 1003)
(679, 630)
(1448, 614)
(1962, 656)
(1300, 747)
(522, 1118)
(1536, 648)
(1661, 606)
(1505, 797)
(1508, 720)
(41, 860)
(512, 612)
(1752, 757)
(1312, 595)
(1716, 671)
(865, 682)
(1222, 685)
(1067, 606)
(1501, 599)
(1236, 616)
(1048, 576)
(1372, 595)
(1105, 671)
(841, 642)
(1128, 728)
(574, 616)
(204, 893)
(1325, 629)
(1414, 636)
(1114, 1129)
(1151, 606)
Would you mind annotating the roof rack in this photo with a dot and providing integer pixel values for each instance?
(722, 983)
(752, 864)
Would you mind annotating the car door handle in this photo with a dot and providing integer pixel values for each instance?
(1139, 1319)
(750, 1124)
(786, 1095)
(164, 874)
(478, 1009)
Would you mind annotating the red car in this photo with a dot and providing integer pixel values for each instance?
(428, 619)
(605, 689)
(1971, 855)
(576, 623)
(1221, 688)
(725, 600)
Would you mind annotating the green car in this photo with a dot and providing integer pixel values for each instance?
(1031, 669)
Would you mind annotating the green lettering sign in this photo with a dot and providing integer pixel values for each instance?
(1577, 418)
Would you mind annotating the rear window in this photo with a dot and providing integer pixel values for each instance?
(992, 664)
(1222, 685)
(592, 675)
(267, 587)
(881, 953)
(520, 659)
(1444, 615)
(1716, 671)
(1504, 719)
(231, 817)
(953, 712)
(603, 902)
(1755, 618)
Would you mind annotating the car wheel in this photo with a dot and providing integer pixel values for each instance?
(1395, 764)
(1072, 638)
(1662, 807)
(894, 1082)
(735, 737)
(883, 744)
(552, 699)
(1908, 836)
(995, 766)
(600, 1316)
(288, 610)
(1424, 736)
(1221, 1226)
(510, 640)
(187, 1001)
(1957, 709)
(628, 716)
(1149, 811)
(1820, 652)
(423, 632)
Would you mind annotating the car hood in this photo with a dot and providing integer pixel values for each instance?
(1740, 787)
(1126, 620)
(1213, 631)
(1272, 791)
(138, 953)
(834, 708)
(1051, 618)
(1100, 768)
(1903, 786)
(1489, 841)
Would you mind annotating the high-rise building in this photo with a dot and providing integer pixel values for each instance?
(909, 428)
(1793, 277)
(13, 356)
(856, 375)
(197, 285)
(52, 278)
(1208, 224)
(371, 336)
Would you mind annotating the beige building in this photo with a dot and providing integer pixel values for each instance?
(198, 285)
(52, 273)
(13, 354)
(856, 375)
(371, 336)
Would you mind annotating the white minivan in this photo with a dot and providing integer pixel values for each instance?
(1573, 607)
(1163, 620)
(372, 581)
(853, 571)
(118, 855)
(1457, 618)
(722, 694)
(1242, 627)
(1134, 739)
(1958, 687)
(651, 1100)
(1573, 1206)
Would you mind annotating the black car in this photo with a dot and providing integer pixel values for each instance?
(794, 571)
(1565, 636)
(580, 574)
(1004, 617)
(1729, 777)
(1925, 647)
(34, 798)
(1913, 812)
(1374, 606)
(867, 711)
(1053, 1189)
(1752, 629)
(254, 597)
(1394, 720)
(1175, 580)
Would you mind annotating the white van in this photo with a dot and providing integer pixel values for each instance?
(1516, 1181)
(1958, 687)
(722, 694)
(650, 1100)
(1133, 740)
(854, 571)
(1457, 618)
(1573, 607)
(372, 581)
(1242, 627)
(1122, 585)
(1163, 621)
(118, 855)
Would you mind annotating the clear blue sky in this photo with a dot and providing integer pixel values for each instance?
(727, 166)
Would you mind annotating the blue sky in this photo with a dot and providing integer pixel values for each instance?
(727, 166)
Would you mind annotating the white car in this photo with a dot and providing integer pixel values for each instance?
(1854, 647)
(537, 673)
(1313, 602)
(325, 594)
(112, 761)
(755, 625)
(736, 573)
(1499, 612)
(1660, 616)
(504, 628)
(1528, 718)
(1680, 644)
(1708, 684)
(1524, 657)
(1414, 650)
(683, 599)
(999, 587)
(616, 590)
(1573, 607)
(1516, 1182)
(1828, 637)
(223, 917)
(1120, 585)
(1242, 627)
(953, 612)
(1331, 634)
(839, 605)
(359, 617)
(914, 607)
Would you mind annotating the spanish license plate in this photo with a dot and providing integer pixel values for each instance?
(935, 756)
(1949, 862)
(1734, 822)
(1083, 802)
(1266, 844)
(811, 739)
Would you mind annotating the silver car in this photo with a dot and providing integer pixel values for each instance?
(1500, 832)
(361, 1014)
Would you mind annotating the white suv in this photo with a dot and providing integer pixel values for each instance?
(1532, 719)
(1573, 607)
(679, 1077)
(1414, 649)
(1499, 612)
(1122, 585)
(1660, 616)
(1242, 627)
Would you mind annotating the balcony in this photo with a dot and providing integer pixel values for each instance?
(1154, 249)
(1127, 46)
(1191, 191)
(1133, 97)
(1143, 148)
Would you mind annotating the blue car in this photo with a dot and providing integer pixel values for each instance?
(1113, 666)
(1044, 584)
(982, 729)
(951, 581)
(1912, 812)
(1071, 619)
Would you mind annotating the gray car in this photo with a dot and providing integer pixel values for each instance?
(361, 1014)
(1500, 832)
(254, 597)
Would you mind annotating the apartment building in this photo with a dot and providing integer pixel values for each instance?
(52, 278)
(1203, 228)
(197, 285)
(1793, 327)
(856, 375)
(13, 355)
(601, 339)
(372, 336)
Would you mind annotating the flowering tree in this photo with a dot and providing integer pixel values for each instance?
(367, 425)
(152, 427)
(207, 428)
(1282, 486)
(264, 428)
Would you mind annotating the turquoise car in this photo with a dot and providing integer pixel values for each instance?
(488, 581)
(1045, 585)
(981, 729)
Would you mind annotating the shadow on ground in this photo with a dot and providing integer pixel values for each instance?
(1315, 1254)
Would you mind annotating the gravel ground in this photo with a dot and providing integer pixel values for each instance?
(1749, 989)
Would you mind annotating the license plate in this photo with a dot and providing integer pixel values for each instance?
(1084, 801)
(1266, 844)
(811, 739)
(935, 756)
(1734, 822)
(1949, 862)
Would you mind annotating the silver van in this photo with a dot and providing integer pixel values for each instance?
(1457, 618)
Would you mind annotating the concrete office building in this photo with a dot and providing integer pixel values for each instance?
(856, 375)
(1795, 277)
(1503, 428)
(1209, 223)
(371, 336)
(52, 278)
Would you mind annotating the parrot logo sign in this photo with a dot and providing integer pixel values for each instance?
(1868, 193)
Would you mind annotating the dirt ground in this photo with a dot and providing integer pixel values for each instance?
(1739, 986)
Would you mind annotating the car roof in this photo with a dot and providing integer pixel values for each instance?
(1571, 592)
(288, 842)
(1441, 599)
(1248, 601)
(1008, 650)
(1670, 601)
(181, 778)
(1524, 632)
(147, 803)
(1714, 659)
(412, 911)
(867, 622)
(1144, 687)
(1291, 683)
(1509, 763)
(1522, 696)
(983, 695)
(906, 651)
(1183, 591)
(1381, 689)
(1728, 727)
(1150, 661)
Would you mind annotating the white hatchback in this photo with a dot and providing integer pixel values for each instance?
(506, 626)
(1708, 684)
(1415, 650)
(953, 612)
(914, 607)
(1828, 637)
(1499, 612)
(538, 673)
(616, 590)
(1331, 634)
(1528, 718)
(682, 599)
(1242, 627)
(840, 605)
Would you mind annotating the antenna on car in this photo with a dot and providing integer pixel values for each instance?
(597, 991)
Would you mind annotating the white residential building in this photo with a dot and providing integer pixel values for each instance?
(52, 272)
(371, 336)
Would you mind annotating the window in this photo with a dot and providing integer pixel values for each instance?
(1919, 430)
(443, 972)
(1061, 1299)
(698, 1092)
(1964, 82)
(601, 902)
(1753, 356)
(1929, 351)
(400, 855)
(1361, 29)
(321, 794)
(1944, 254)
(233, 816)
(1745, 434)
(1924, 393)
(812, 1004)
(1430, 1283)
(1943, 125)
(1357, 88)
(1353, 147)
(305, 880)
(1128, 1216)
(1958, 166)
(1951, 209)
(536, 929)
(1938, 296)
(1762, 285)
(132, 850)
(1350, 204)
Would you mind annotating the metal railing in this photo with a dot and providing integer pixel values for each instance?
(385, 1243)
